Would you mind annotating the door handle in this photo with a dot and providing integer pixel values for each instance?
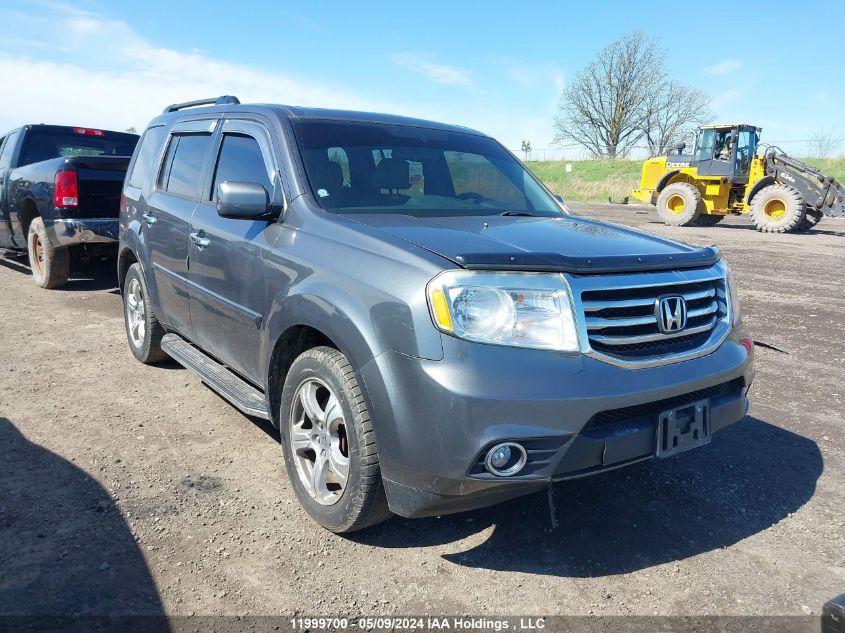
(200, 240)
(149, 219)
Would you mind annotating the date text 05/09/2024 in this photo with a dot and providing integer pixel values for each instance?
(427, 623)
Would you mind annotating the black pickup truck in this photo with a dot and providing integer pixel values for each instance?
(60, 188)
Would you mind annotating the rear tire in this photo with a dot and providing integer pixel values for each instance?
(50, 265)
(778, 209)
(143, 331)
(333, 437)
(679, 204)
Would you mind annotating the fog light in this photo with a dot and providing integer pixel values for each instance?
(506, 459)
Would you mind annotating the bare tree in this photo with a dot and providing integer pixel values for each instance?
(672, 112)
(625, 96)
(602, 109)
(823, 142)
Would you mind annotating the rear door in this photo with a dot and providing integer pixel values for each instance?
(167, 218)
(228, 297)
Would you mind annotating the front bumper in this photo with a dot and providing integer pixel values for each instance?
(71, 231)
(575, 414)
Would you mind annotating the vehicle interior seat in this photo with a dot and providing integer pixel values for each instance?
(392, 174)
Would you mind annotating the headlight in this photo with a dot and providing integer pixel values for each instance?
(517, 309)
(736, 311)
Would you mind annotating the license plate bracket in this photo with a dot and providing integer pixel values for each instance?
(683, 428)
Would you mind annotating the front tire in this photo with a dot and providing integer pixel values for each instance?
(329, 443)
(50, 265)
(778, 209)
(143, 331)
(679, 204)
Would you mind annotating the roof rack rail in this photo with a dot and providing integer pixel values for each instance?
(224, 100)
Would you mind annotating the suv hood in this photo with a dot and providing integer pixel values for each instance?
(560, 244)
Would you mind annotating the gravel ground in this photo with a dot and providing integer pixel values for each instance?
(134, 489)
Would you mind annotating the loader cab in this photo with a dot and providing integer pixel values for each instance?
(726, 150)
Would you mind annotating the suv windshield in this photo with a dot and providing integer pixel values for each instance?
(378, 168)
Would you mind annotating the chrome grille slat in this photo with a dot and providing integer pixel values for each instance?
(700, 312)
(595, 306)
(648, 338)
(599, 323)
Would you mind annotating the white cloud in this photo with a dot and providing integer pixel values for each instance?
(114, 78)
(725, 98)
(424, 64)
(107, 75)
(724, 67)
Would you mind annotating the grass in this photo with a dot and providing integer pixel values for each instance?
(589, 180)
(598, 180)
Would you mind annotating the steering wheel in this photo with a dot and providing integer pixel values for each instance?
(471, 195)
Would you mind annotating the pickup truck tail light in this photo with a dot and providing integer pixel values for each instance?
(66, 193)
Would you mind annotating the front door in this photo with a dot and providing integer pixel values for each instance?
(167, 219)
(228, 301)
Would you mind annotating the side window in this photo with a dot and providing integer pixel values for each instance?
(241, 160)
(183, 165)
(147, 152)
(7, 150)
(474, 174)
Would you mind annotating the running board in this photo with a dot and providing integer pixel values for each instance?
(224, 381)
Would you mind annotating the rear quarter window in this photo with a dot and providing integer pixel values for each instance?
(183, 166)
(148, 150)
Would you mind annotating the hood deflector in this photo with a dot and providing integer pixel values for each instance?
(555, 262)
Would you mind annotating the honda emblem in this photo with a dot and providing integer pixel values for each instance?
(671, 313)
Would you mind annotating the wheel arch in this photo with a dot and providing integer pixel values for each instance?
(761, 184)
(667, 179)
(28, 212)
(125, 259)
(301, 322)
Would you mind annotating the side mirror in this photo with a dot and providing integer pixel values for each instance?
(559, 198)
(242, 200)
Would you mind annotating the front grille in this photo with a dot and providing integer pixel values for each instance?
(650, 410)
(622, 322)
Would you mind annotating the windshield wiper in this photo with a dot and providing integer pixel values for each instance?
(519, 213)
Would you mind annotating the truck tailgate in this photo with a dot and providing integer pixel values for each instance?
(100, 183)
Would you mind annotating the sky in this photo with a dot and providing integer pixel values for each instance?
(498, 67)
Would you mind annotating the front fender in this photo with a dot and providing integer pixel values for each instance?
(661, 185)
(338, 320)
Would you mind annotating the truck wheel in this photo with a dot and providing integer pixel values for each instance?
(329, 443)
(778, 209)
(709, 219)
(679, 204)
(143, 330)
(50, 265)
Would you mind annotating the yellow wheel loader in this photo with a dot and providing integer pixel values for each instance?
(731, 172)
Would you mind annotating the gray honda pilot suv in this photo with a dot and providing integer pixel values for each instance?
(429, 328)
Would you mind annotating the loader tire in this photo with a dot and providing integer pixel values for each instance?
(778, 209)
(679, 204)
(709, 219)
(811, 218)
